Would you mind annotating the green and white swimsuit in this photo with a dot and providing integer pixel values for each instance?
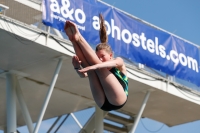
(123, 79)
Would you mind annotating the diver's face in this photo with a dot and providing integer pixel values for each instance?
(104, 55)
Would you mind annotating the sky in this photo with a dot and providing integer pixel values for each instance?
(180, 17)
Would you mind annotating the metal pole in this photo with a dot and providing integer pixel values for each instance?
(61, 123)
(54, 124)
(99, 116)
(11, 102)
(24, 108)
(140, 112)
(79, 124)
(47, 37)
(48, 95)
(57, 32)
(167, 84)
(5, 130)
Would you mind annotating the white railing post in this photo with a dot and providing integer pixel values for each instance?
(11, 103)
(99, 116)
(24, 109)
(48, 95)
(140, 112)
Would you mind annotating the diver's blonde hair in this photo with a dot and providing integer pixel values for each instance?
(103, 36)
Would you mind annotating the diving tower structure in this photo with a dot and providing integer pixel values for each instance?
(38, 81)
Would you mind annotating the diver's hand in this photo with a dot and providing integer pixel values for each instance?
(89, 68)
(76, 62)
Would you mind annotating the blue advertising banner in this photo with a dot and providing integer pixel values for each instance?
(128, 37)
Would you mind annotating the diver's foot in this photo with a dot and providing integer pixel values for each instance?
(72, 31)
